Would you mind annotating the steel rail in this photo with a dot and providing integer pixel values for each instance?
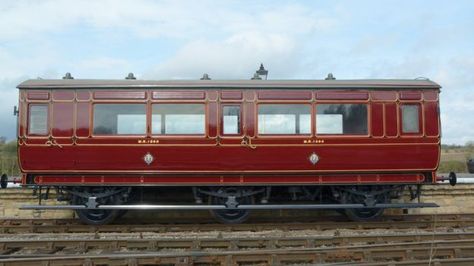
(347, 254)
(130, 241)
(437, 262)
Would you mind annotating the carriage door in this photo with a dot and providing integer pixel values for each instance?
(35, 131)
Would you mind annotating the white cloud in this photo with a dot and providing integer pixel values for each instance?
(39, 60)
(290, 19)
(275, 36)
(235, 57)
(100, 67)
(457, 97)
(23, 19)
(183, 19)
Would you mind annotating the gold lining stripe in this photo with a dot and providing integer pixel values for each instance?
(239, 145)
(270, 172)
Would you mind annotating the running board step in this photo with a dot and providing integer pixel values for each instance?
(223, 207)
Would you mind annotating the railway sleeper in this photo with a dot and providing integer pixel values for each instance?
(287, 254)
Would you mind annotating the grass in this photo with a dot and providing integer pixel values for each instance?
(454, 159)
(452, 166)
(458, 156)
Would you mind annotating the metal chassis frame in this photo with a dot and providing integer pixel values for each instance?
(223, 207)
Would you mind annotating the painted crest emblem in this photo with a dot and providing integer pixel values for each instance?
(314, 158)
(148, 158)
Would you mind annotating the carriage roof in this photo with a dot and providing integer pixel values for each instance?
(228, 84)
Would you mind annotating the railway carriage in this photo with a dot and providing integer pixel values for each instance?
(109, 146)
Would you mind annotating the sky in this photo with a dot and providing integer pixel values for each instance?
(229, 39)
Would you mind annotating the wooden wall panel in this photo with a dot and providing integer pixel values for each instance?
(63, 119)
(82, 119)
(377, 110)
(391, 121)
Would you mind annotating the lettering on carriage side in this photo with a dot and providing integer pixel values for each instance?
(313, 141)
(148, 141)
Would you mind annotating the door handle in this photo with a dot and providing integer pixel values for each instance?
(22, 140)
(247, 141)
(53, 143)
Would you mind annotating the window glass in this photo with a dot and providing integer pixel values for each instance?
(350, 119)
(231, 119)
(410, 118)
(38, 120)
(178, 119)
(284, 119)
(119, 119)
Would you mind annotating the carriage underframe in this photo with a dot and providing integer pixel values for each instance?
(233, 204)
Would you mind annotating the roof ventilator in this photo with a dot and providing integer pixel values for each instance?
(68, 76)
(130, 76)
(330, 77)
(205, 76)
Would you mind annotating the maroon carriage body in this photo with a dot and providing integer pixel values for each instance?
(188, 133)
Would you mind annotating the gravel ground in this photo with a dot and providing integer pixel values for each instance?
(230, 235)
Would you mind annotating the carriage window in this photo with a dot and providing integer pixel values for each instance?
(119, 119)
(350, 119)
(284, 119)
(231, 119)
(410, 118)
(38, 120)
(183, 119)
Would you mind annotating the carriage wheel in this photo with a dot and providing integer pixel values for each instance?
(360, 197)
(4, 181)
(230, 216)
(97, 216)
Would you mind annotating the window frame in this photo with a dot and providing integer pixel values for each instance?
(48, 120)
(331, 135)
(305, 135)
(92, 119)
(206, 121)
(221, 120)
(420, 119)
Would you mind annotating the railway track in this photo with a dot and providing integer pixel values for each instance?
(133, 243)
(387, 248)
(443, 239)
(15, 226)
